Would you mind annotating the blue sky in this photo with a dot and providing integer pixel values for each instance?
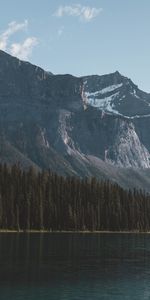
(80, 37)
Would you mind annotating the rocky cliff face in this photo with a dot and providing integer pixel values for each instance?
(72, 125)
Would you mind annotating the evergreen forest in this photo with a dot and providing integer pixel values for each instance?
(31, 200)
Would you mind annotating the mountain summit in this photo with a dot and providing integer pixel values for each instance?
(116, 94)
(89, 125)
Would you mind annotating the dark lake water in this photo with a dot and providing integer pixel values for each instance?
(74, 266)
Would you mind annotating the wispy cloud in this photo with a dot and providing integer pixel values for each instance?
(22, 50)
(84, 13)
(13, 27)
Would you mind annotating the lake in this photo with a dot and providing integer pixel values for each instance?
(66, 266)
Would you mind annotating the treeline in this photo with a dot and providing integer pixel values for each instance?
(46, 201)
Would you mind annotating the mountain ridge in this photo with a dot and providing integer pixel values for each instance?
(79, 126)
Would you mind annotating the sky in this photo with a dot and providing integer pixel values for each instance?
(83, 37)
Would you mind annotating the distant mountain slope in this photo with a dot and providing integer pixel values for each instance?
(87, 126)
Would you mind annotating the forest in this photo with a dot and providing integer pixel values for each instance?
(31, 200)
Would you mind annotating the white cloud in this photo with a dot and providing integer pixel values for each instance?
(23, 50)
(13, 27)
(84, 13)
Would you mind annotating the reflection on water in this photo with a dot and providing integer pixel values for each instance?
(74, 266)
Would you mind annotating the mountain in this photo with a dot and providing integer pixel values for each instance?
(86, 126)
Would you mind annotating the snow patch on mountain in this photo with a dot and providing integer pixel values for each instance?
(103, 91)
(101, 99)
(110, 88)
(136, 116)
(102, 103)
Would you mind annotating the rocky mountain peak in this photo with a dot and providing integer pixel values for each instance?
(72, 125)
(113, 93)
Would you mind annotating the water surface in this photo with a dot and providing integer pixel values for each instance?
(59, 266)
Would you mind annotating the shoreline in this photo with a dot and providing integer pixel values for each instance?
(72, 231)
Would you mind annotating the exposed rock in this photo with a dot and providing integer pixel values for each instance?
(79, 126)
